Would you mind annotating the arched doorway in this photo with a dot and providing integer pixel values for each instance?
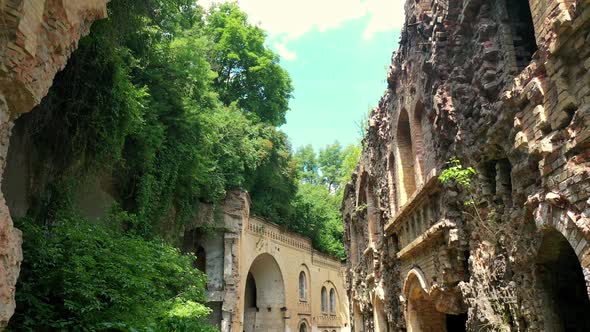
(559, 276)
(421, 314)
(303, 326)
(264, 296)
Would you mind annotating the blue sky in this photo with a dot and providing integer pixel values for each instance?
(338, 76)
(337, 53)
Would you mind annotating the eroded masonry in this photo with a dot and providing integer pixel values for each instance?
(36, 39)
(502, 86)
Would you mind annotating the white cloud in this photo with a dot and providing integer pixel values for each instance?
(284, 52)
(386, 15)
(294, 18)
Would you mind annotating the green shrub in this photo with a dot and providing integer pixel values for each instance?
(79, 276)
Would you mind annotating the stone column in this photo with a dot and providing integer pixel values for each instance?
(236, 212)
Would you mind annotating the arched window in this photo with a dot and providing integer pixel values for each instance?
(324, 300)
(303, 327)
(302, 286)
(332, 301)
(405, 159)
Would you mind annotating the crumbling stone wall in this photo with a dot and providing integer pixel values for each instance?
(504, 86)
(36, 39)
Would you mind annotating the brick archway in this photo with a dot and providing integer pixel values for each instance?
(575, 231)
(420, 310)
(562, 267)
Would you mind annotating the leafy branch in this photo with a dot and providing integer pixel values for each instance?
(462, 176)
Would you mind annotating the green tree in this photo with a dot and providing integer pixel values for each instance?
(248, 73)
(330, 160)
(318, 217)
(273, 184)
(79, 276)
(140, 100)
(316, 207)
(307, 164)
(350, 159)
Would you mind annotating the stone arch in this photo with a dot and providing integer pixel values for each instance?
(405, 158)
(419, 275)
(548, 216)
(420, 311)
(560, 280)
(268, 287)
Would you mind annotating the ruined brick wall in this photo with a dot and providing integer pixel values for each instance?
(504, 86)
(36, 39)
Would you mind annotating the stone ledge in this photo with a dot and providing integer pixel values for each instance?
(430, 234)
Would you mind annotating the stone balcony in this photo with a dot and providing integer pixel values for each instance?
(419, 221)
(328, 320)
(303, 308)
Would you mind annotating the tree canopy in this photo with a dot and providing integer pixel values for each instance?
(248, 73)
(174, 105)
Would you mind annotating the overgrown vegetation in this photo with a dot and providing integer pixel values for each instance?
(455, 172)
(80, 276)
(317, 204)
(174, 105)
(460, 176)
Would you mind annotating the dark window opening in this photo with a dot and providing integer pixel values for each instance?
(497, 176)
(457, 323)
(201, 261)
(504, 178)
(523, 31)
